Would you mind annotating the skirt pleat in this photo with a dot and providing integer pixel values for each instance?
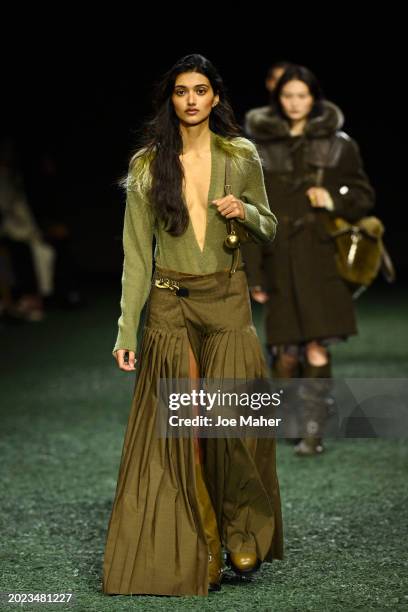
(156, 541)
(243, 487)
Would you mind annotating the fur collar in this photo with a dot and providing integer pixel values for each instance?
(264, 124)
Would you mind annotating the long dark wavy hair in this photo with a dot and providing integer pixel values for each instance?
(160, 142)
(299, 73)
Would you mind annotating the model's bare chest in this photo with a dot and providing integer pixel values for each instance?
(197, 179)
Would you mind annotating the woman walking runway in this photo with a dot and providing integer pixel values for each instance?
(313, 172)
(179, 501)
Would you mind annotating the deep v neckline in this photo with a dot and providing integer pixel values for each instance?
(209, 198)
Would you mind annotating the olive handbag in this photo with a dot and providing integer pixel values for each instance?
(360, 250)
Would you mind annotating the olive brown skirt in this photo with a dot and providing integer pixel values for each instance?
(156, 540)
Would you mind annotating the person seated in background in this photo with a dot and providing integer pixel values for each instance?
(19, 233)
(45, 198)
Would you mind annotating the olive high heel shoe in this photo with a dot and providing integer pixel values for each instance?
(244, 563)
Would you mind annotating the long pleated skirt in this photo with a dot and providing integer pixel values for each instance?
(156, 540)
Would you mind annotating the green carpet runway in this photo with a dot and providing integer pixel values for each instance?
(64, 407)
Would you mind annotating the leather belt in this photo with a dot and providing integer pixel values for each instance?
(168, 283)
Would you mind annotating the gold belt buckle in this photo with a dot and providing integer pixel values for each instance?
(166, 283)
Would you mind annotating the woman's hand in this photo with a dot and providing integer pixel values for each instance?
(320, 197)
(120, 358)
(258, 295)
(230, 207)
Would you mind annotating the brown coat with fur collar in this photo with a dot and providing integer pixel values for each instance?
(308, 299)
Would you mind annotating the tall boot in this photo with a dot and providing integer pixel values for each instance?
(207, 513)
(286, 366)
(315, 397)
(215, 556)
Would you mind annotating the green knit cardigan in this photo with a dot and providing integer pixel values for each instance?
(183, 253)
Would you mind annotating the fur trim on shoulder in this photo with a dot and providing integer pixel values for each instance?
(264, 123)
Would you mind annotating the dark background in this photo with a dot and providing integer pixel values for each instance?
(79, 92)
(79, 88)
